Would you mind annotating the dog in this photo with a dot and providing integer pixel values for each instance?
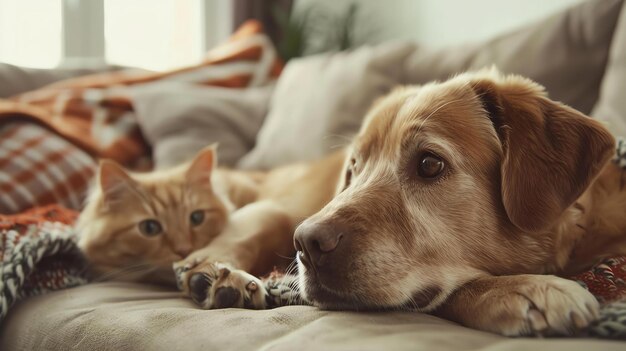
(465, 199)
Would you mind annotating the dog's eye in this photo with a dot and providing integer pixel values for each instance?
(196, 217)
(430, 166)
(150, 227)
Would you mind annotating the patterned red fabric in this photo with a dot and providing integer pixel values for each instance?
(38, 215)
(606, 280)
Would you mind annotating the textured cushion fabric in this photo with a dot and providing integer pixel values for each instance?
(38, 167)
(566, 52)
(319, 102)
(611, 107)
(126, 316)
(179, 119)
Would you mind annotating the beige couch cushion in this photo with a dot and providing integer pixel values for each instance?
(566, 52)
(125, 316)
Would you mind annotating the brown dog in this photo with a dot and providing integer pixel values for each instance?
(457, 198)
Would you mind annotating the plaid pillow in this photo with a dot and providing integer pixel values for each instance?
(38, 167)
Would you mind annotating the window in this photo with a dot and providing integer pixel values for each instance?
(151, 34)
(156, 35)
(31, 32)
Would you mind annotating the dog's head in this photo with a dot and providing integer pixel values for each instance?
(446, 182)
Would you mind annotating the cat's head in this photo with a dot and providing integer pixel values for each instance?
(139, 223)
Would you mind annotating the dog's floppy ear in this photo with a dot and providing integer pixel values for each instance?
(551, 152)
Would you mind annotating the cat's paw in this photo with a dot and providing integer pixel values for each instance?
(216, 285)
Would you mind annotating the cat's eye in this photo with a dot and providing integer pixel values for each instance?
(150, 227)
(430, 166)
(196, 217)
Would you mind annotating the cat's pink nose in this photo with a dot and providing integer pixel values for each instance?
(183, 251)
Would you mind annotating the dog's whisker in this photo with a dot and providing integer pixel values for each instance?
(288, 273)
(413, 306)
(286, 257)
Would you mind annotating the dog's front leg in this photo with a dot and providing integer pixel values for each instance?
(522, 305)
(255, 239)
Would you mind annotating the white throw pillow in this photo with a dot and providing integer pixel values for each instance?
(611, 107)
(319, 102)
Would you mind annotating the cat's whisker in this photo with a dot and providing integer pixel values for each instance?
(127, 271)
(345, 138)
(121, 273)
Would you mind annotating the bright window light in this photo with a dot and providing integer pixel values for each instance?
(156, 35)
(31, 32)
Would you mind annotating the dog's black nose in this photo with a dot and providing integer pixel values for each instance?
(316, 240)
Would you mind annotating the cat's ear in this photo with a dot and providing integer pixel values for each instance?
(202, 165)
(114, 181)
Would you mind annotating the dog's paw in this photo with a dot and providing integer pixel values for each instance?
(216, 285)
(543, 305)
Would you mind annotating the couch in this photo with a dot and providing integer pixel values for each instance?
(313, 107)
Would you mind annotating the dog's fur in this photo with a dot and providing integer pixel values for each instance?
(526, 190)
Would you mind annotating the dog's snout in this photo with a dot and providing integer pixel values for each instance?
(317, 240)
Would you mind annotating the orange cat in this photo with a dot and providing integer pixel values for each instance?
(135, 225)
